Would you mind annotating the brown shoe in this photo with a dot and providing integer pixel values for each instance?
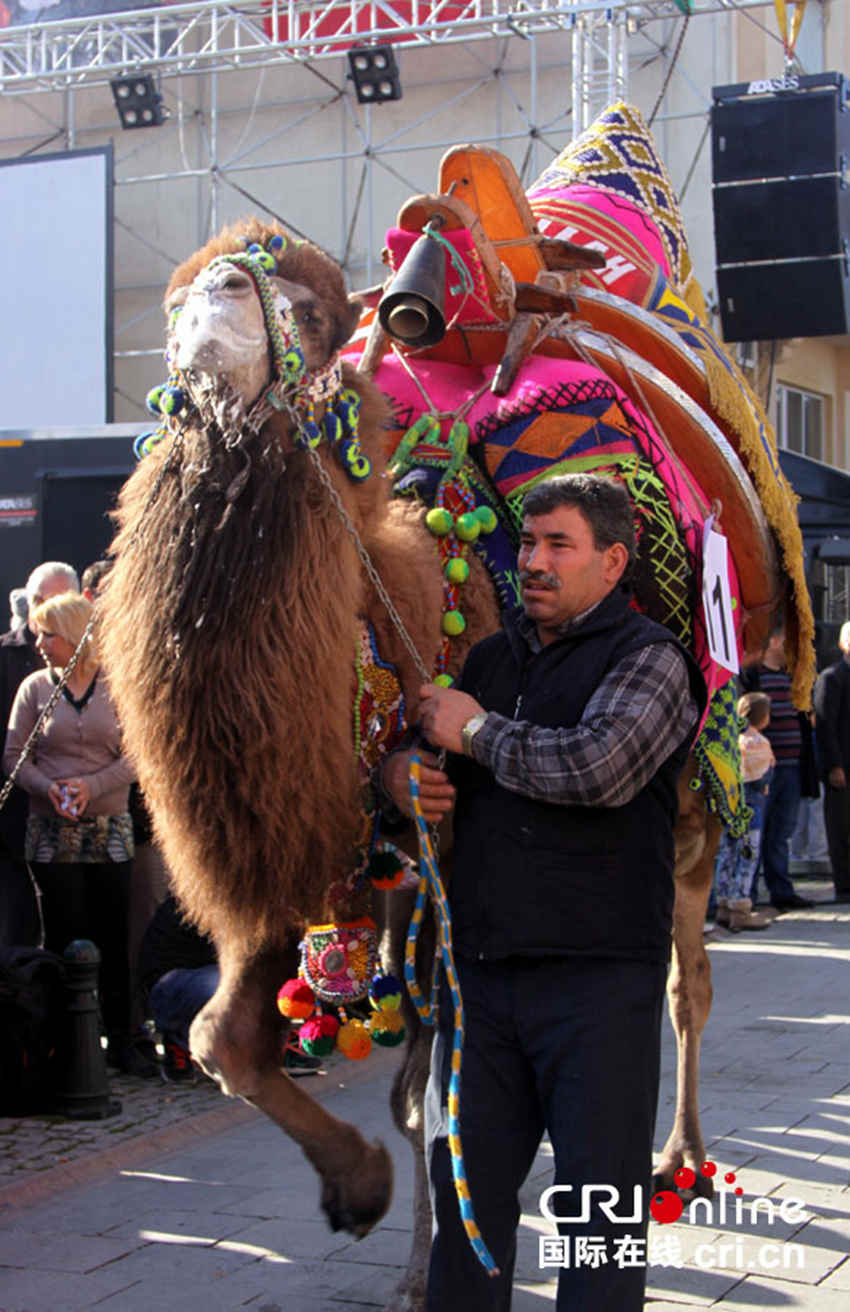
(742, 916)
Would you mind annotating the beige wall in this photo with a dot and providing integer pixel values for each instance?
(288, 134)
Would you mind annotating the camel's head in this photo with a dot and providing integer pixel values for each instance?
(256, 309)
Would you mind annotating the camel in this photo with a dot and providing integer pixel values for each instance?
(255, 541)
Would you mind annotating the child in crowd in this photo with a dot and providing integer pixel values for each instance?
(738, 858)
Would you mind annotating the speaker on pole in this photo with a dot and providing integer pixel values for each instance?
(781, 196)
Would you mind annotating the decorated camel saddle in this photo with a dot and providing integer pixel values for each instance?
(561, 331)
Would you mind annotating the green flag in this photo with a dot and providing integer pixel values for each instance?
(684, 5)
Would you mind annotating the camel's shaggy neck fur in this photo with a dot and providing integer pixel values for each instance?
(233, 631)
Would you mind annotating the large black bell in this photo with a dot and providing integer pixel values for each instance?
(412, 311)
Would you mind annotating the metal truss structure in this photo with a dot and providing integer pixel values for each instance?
(207, 40)
(214, 34)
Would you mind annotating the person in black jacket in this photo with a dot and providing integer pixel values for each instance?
(568, 732)
(832, 725)
(794, 777)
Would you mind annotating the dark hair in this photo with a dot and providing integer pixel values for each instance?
(603, 502)
(94, 574)
(752, 706)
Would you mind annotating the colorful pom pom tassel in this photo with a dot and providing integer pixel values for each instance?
(387, 1028)
(353, 1040)
(318, 1035)
(385, 870)
(296, 1000)
(385, 993)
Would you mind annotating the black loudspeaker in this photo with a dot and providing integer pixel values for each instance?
(781, 169)
(798, 298)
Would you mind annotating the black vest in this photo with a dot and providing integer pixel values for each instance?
(532, 878)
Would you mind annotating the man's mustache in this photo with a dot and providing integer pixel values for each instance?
(539, 579)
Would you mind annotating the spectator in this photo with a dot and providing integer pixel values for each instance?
(18, 609)
(738, 858)
(79, 835)
(790, 735)
(179, 972)
(832, 711)
(18, 658)
(93, 576)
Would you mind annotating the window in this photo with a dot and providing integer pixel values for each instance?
(800, 421)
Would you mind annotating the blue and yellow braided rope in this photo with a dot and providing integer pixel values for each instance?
(430, 882)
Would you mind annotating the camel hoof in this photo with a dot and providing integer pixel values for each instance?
(356, 1201)
(664, 1179)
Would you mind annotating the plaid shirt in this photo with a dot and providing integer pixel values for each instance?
(640, 713)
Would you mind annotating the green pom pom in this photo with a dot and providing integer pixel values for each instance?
(467, 527)
(486, 517)
(457, 570)
(453, 623)
(439, 521)
(444, 681)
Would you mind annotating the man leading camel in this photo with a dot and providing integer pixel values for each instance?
(568, 731)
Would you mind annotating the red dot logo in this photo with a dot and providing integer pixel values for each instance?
(739, 1191)
(709, 1169)
(730, 1177)
(685, 1178)
(666, 1207)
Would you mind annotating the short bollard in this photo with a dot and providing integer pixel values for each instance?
(84, 1087)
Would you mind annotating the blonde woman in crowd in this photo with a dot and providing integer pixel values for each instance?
(79, 837)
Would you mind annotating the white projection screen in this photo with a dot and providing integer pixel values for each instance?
(56, 328)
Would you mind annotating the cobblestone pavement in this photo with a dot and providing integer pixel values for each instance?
(187, 1199)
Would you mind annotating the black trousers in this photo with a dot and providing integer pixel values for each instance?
(565, 1045)
(92, 901)
(836, 815)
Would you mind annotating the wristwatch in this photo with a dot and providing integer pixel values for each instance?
(470, 729)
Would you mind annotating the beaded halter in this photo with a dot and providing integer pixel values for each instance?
(293, 388)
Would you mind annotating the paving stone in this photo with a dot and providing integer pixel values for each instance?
(68, 1252)
(766, 1294)
(35, 1290)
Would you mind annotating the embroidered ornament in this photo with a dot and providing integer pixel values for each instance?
(353, 1040)
(318, 1035)
(387, 1028)
(338, 961)
(296, 1000)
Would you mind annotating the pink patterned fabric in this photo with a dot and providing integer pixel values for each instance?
(616, 226)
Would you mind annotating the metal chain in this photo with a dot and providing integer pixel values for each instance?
(26, 750)
(366, 562)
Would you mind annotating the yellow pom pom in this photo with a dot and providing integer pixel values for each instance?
(353, 1040)
(453, 623)
(439, 521)
(457, 570)
(387, 1028)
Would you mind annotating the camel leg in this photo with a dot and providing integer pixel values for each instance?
(237, 1038)
(689, 982)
